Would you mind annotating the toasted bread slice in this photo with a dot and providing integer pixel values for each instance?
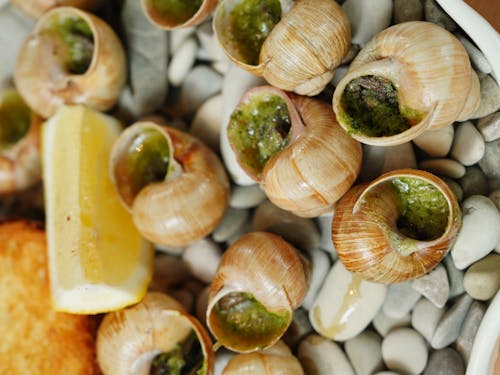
(36, 339)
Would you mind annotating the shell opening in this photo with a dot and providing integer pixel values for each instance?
(247, 25)
(73, 41)
(15, 119)
(259, 128)
(370, 106)
(145, 159)
(173, 12)
(241, 321)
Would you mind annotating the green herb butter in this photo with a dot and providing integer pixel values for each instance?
(15, 118)
(258, 129)
(371, 107)
(175, 11)
(251, 21)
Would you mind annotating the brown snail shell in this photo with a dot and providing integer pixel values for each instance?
(431, 72)
(169, 20)
(367, 228)
(316, 168)
(35, 8)
(276, 360)
(129, 339)
(43, 77)
(190, 200)
(301, 51)
(20, 166)
(269, 269)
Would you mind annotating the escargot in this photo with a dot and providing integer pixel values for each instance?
(175, 187)
(36, 8)
(173, 14)
(397, 227)
(411, 77)
(294, 147)
(260, 281)
(156, 336)
(71, 57)
(294, 45)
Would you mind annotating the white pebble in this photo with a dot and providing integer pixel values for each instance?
(222, 357)
(178, 37)
(477, 58)
(399, 157)
(202, 258)
(401, 298)
(446, 167)
(468, 146)
(365, 352)
(425, 318)
(434, 286)
(482, 279)
(405, 351)
(233, 220)
(367, 18)
(201, 83)
(206, 122)
(182, 62)
(320, 265)
(246, 196)
(320, 356)
(436, 143)
(384, 323)
(479, 233)
(325, 227)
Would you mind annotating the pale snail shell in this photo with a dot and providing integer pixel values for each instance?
(317, 166)
(129, 339)
(35, 8)
(43, 73)
(20, 166)
(302, 49)
(276, 360)
(367, 226)
(187, 201)
(165, 16)
(272, 272)
(430, 72)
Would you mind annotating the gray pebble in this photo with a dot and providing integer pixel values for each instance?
(468, 144)
(325, 227)
(365, 352)
(408, 10)
(404, 350)
(351, 54)
(384, 323)
(425, 318)
(455, 277)
(490, 97)
(489, 127)
(490, 163)
(469, 329)
(434, 286)
(478, 60)
(445, 167)
(495, 197)
(246, 196)
(299, 328)
(455, 187)
(233, 219)
(474, 182)
(482, 279)
(445, 362)
(450, 324)
(200, 83)
(400, 299)
(434, 13)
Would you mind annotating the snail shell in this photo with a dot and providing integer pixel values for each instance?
(35, 8)
(20, 157)
(129, 339)
(185, 14)
(87, 68)
(276, 360)
(264, 268)
(302, 49)
(187, 200)
(317, 166)
(432, 80)
(397, 227)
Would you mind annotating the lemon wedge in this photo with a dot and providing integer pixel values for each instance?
(98, 261)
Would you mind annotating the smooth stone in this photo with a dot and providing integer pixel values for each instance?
(373, 162)
(455, 187)
(399, 157)
(404, 350)
(300, 232)
(365, 353)
(320, 265)
(320, 356)
(345, 304)
(408, 10)
(436, 143)
(445, 362)
(477, 58)
(325, 227)
(455, 277)
(468, 144)
(386, 373)
(351, 54)
(202, 258)
(206, 122)
(465, 339)
(185, 297)
(490, 163)
(494, 184)
(434, 13)
(446, 167)
(489, 127)
(482, 279)
(246, 196)
(233, 219)
(209, 43)
(385, 324)
(367, 18)
(434, 286)
(401, 298)
(244, 229)
(450, 324)
(222, 357)
(169, 270)
(299, 328)
(221, 66)
(200, 84)
(490, 97)
(425, 318)
(178, 36)
(182, 61)
(495, 198)
(3, 3)
(474, 182)
(479, 233)
(338, 74)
